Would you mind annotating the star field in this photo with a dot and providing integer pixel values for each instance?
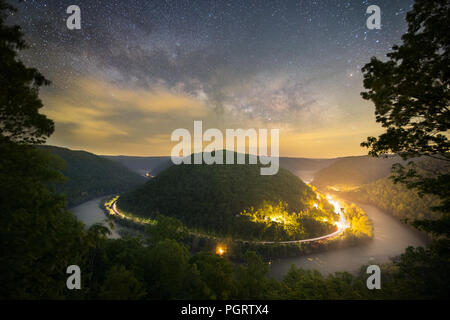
(139, 69)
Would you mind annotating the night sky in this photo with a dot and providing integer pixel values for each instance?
(137, 70)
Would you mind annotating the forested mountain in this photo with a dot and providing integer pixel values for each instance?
(155, 165)
(142, 165)
(213, 198)
(396, 199)
(304, 164)
(90, 176)
(161, 166)
(352, 172)
(366, 179)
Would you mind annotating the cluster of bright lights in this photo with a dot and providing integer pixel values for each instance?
(277, 219)
(342, 223)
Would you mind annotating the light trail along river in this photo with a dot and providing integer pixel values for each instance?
(391, 238)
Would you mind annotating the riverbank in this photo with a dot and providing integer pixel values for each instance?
(391, 238)
(424, 236)
(91, 213)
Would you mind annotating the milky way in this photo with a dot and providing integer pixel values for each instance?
(139, 69)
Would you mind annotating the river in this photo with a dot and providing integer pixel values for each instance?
(391, 237)
(90, 212)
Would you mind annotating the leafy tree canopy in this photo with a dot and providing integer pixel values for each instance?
(411, 95)
(20, 120)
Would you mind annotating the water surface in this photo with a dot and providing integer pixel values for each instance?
(391, 238)
(90, 213)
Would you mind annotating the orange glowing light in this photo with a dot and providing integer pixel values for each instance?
(220, 250)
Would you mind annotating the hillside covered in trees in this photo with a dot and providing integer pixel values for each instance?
(349, 180)
(155, 165)
(305, 164)
(352, 172)
(233, 200)
(89, 176)
(40, 237)
(142, 165)
(395, 199)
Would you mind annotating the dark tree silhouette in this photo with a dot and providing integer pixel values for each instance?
(39, 238)
(20, 120)
(411, 95)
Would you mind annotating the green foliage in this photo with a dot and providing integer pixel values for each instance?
(299, 284)
(251, 280)
(276, 223)
(165, 272)
(39, 237)
(359, 224)
(353, 171)
(216, 272)
(210, 198)
(120, 284)
(167, 269)
(411, 93)
(301, 164)
(152, 165)
(396, 199)
(20, 120)
(428, 177)
(411, 89)
(424, 272)
(166, 228)
(90, 176)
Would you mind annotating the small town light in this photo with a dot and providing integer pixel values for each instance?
(220, 250)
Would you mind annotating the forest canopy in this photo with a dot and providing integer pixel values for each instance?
(89, 176)
(228, 199)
